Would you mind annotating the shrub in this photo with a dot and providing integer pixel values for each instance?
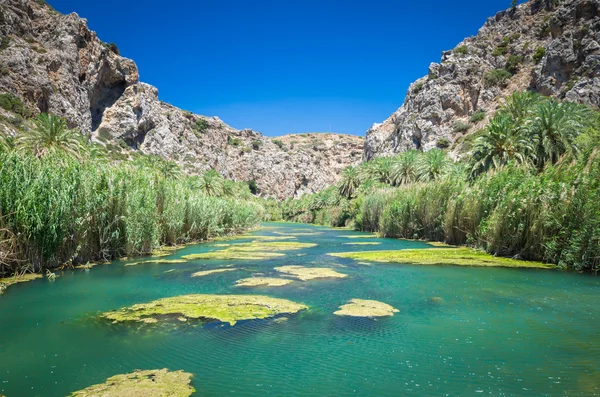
(256, 144)
(443, 143)
(279, 143)
(540, 53)
(477, 116)
(513, 63)
(253, 187)
(461, 50)
(460, 126)
(5, 43)
(418, 87)
(14, 104)
(200, 125)
(113, 47)
(497, 77)
(234, 141)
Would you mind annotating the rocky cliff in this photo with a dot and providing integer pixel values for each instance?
(547, 46)
(54, 63)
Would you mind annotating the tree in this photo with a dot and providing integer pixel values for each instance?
(502, 143)
(404, 169)
(51, 135)
(432, 165)
(211, 183)
(554, 128)
(350, 182)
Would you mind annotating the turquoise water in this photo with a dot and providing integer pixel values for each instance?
(497, 332)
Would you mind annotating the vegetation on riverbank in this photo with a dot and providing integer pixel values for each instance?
(528, 189)
(63, 202)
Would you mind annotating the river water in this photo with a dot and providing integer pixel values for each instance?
(460, 331)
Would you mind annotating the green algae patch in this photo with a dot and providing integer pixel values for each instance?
(363, 243)
(309, 273)
(359, 236)
(158, 261)
(366, 308)
(461, 256)
(7, 282)
(233, 255)
(252, 251)
(224, 308)
(263, 282)
(214, 271)
(153, 383)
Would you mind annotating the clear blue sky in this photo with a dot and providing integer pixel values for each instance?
(285, 66)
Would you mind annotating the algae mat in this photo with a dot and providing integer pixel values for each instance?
(460, 330)
(153, 383)
(441, 256)
(225, 308)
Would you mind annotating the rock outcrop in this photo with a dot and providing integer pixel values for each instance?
(54, 63)
(547, 46)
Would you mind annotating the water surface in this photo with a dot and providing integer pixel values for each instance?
(495, 332)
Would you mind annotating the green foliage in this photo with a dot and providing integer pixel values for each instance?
(234, 141)
(113, 47)
(513, 63)
(461, 126)
(200, 125)
(279, 143)
(50, 135)
(14, 104)
(478, 116)
(497, 77)
(62, 210)
(4, 43)
(256, 144)
(253, 187)
(418, 87)
(443, 143)
(539, 54)
(461, 50)
(502, 48)
(530, 189)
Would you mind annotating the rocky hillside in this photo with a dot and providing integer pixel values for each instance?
(54, 63)
(547, 46)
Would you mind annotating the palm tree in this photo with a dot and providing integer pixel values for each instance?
(51, 135)
(502, 143)
(404, 169)
(381, 169)
(351, 180)
(169, 169)
(432, 165)
(521, 105)
(211, 183)
(554, 128)
(229, 188)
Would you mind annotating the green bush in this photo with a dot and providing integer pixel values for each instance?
(513, 64)
(477, 116)
(200, 125)
(13, 104)
(460, 126)
(540, 53)
(5, 43)
(279, 143)
(256, 144)
(418, 87)
(234, 141)
(497, 77)
(443, 143)
(461, 50)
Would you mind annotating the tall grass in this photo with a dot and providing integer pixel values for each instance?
(65, 211)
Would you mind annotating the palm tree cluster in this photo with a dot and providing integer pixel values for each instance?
(530, 130)
(404, 169)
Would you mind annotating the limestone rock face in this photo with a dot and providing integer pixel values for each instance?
(556, 46)
(54, 63)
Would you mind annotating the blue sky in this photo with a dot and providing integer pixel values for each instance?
(285, 66)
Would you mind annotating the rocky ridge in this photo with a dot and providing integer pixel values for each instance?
(55, 63)
(546, 46)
